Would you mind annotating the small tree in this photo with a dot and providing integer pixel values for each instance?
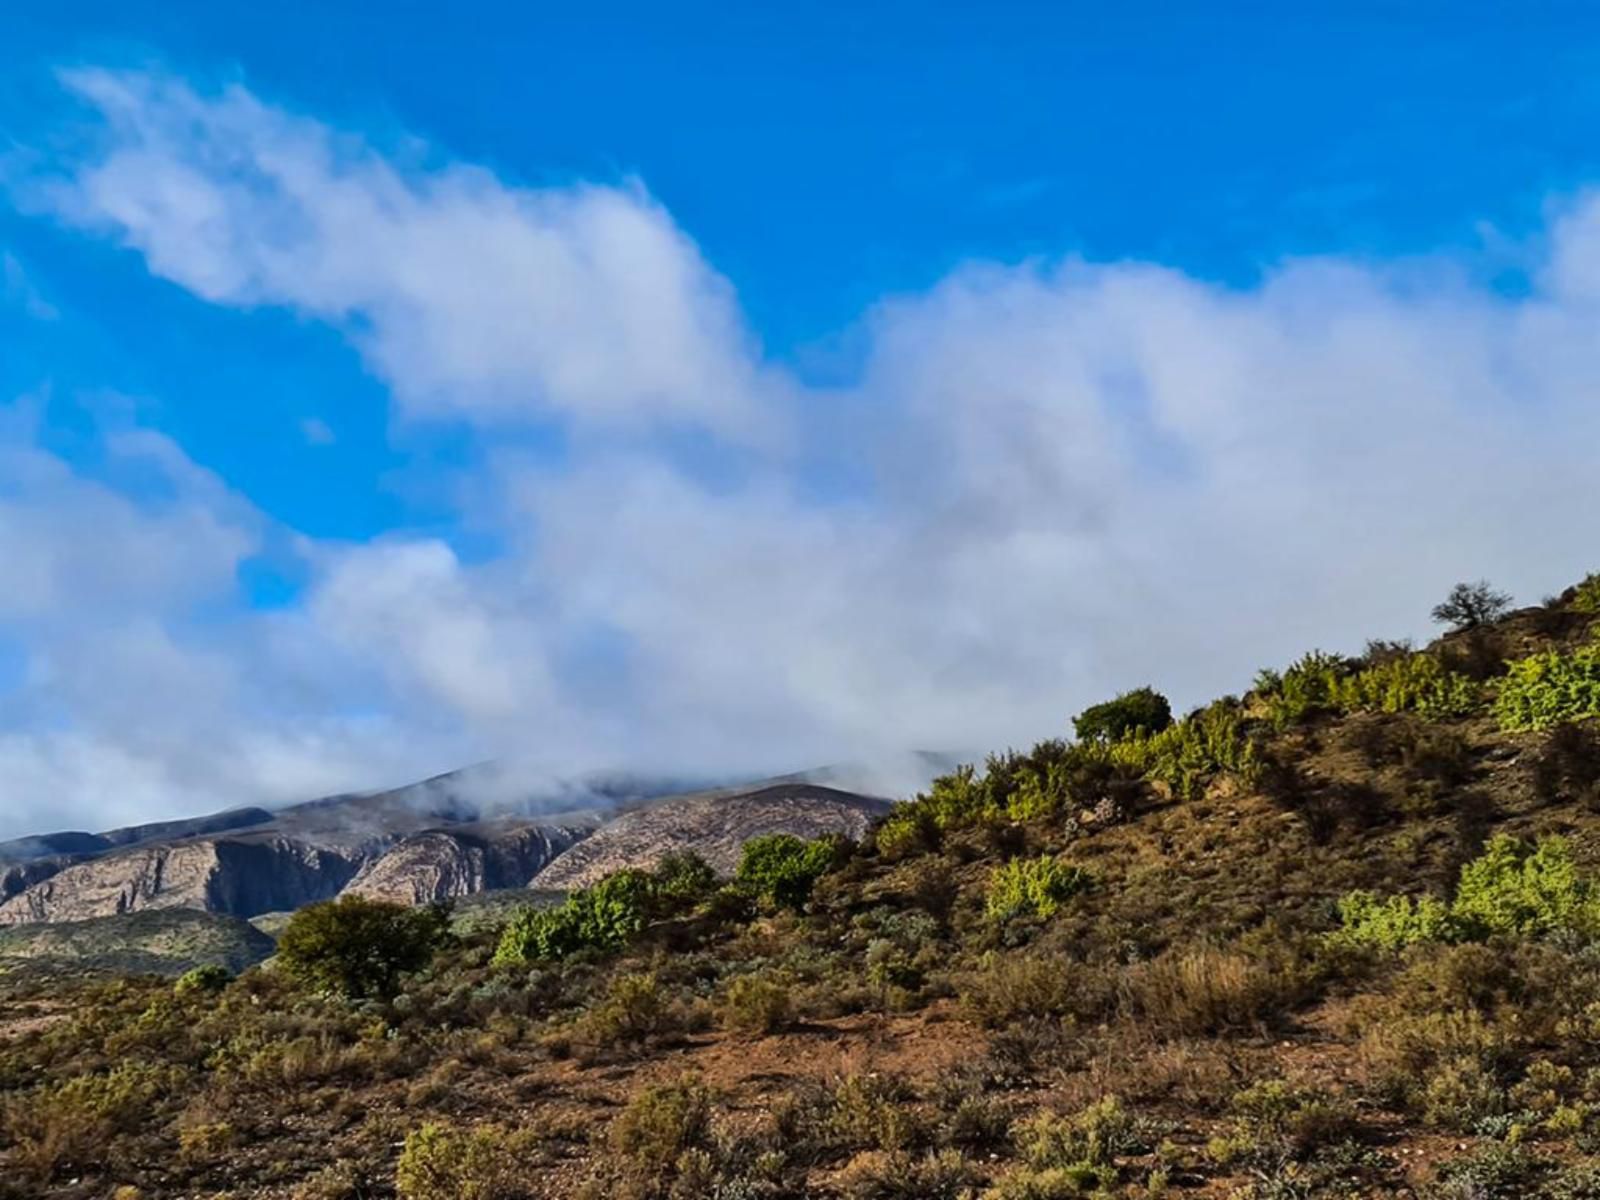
(1143, 708)
(1470, 605)
(359, 948)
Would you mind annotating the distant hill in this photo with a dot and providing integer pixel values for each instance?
(713, 825)
(443, 838)
(155, 942)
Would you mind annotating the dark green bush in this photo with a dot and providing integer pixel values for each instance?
(358, 948)
(1143, 709)
(604, 917)
(781, 869)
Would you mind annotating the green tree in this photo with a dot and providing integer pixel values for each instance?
(359, 948)
(1141, 709)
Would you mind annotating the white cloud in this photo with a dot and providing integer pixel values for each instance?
(1078, 478)
(471, 298)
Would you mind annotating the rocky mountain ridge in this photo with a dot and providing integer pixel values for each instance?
(434, 840)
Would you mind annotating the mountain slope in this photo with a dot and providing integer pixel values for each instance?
(714, 826)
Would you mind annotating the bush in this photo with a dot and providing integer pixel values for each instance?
(758, 1004)
(1143, 710)
(1530, 890)
(201, 980)
(781, 869)
(1032, 887)
(1470, 605)
(662, 1122)
(1394, 923)
(1184, 756)
(683, 880)
(1413, 683)
(1545, 689)
(1514, 888)
(1208, 991)
(635, 1008)
(482, 1163)
(71, 1123)
(604, 917)
(1096, 1136)
(1587, 595)
(1389, 683)
(359, 948)
(944, 1175)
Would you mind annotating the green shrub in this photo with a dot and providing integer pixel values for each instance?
(1514, 888)
(758, 1004)
(604, 917)
(1184, 756)
(70, 1123)
(1389, 683)
(878, 1175)
(683, 880)
(1304, 688)
(200, 980)
(662, 1122)
(1518, 888)
(356, 947)
(871, 1112)
(1052, 1183)
(1587, 597)
(781, 869)
(1297, 1121)
(443, 1163)
(1545, 689)
(1143, 710)
(1410, 683)
(1393, 923)
(1033, 887)
(635, 1008)
(1096, 1136)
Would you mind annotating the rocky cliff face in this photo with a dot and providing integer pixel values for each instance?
(217, 875)
(446, 864)
(417, 844)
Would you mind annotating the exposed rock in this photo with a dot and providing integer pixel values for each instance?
(218, 875)
(424, 842)
(448, 864)
(714, 825)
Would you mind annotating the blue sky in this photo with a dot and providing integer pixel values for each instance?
(931, 294)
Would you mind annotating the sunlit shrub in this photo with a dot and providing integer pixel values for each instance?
(1032, 887)
(1545, 689)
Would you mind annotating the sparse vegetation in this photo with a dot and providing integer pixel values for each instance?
(1339, 936)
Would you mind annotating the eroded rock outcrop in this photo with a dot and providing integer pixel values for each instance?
(447, 864)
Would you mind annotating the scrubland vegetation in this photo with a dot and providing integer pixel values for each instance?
(1337, 936)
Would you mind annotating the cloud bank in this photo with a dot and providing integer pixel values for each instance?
(1046, 481)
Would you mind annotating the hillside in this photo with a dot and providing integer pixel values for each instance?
(1336, 936)
(155, 942)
